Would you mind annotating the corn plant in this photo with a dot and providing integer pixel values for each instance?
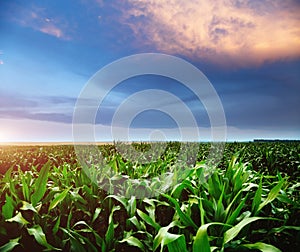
(49, 202)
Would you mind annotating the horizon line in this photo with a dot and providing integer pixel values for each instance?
(24, 143)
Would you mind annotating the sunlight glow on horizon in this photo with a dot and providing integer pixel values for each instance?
(5, 136)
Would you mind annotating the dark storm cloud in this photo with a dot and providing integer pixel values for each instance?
(256, 97)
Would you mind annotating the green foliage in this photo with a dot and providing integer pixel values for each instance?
(249, 202)
(8, 207)
(40, 185)
(10, 245)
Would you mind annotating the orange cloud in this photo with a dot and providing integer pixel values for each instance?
(223, 31)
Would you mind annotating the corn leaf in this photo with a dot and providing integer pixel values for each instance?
(272, 195)
(8, 207)
(163, 238)
(109, 236)
(25, 189)
(59, 198)
(18, 218)
(10, 245)
(56, 226)
(186, 220)
(201, 242)
(232, 217)
(40, 236)
(262, 247)
(40, 185)
(257, 199)
(133, 241)
(178, 245)
(96, 213)
(234, 231)
(27, 206)
(148, 219)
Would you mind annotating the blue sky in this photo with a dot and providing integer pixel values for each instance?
(249, 50)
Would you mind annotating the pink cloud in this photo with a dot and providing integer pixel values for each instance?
(52, 30)
(37, 19)
(224, 31)
(1, 61)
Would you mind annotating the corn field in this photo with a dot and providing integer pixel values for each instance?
(250, 202)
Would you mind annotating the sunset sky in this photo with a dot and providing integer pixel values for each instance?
(248, 49)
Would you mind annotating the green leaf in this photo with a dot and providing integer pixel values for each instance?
(178, 245)
(25, 189)
(280, 229)
(202, 212)
(148, 219)
(262, 247)
(214, 186)
(27, 206)
(257, 198)
(96, 214)
(40, 236)
(77, 197)
(8, 207)
(40, 185)
(78, 242)
(234, 231)
(10, 245)
(7, 175)
(70, 215)
(120, 199)
(131, 206)
(272, 195)
(56, 226)
(186, 220)
(135, 222)
(82, 223)
(177, 190)
(58, 198)
(163, 237)
(18, 218)
(232, 218)
(201, 243)
(219, 213)
(133, 241)
(109, 236)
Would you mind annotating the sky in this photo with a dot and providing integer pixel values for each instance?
(249, 50)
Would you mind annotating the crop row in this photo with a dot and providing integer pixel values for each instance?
(249, 202)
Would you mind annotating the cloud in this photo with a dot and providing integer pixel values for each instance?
(1, 61)
(49, 108)
(15, 101)
(25, 114)
(39, 20)
(52, 30)
(228, 32)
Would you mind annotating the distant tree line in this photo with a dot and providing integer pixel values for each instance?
(275, 140)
